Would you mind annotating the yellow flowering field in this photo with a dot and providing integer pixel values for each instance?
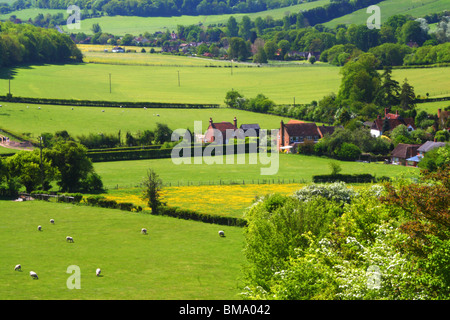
(226, 200)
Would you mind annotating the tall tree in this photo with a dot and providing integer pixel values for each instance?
(152, 187)
(232, 27)
(389, 92)
(360, 80)
(407, 96)
(71, 159)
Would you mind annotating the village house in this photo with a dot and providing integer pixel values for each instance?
(392, 120)
(403, 152)
(296, 132)
(215, 127)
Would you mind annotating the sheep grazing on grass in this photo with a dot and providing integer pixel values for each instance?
(69, 239)
(221, 233)
(33, 275)
(52, 221)
(18, 268)
(97, 272)
(144, 231)
(39, 228)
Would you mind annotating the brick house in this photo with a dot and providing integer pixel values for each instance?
(295, 132)
(215, 128)
(393, 120)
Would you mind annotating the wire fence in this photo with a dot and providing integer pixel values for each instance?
(220, 182)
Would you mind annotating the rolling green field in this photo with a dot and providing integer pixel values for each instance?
(177, 260)
(128, 174)
(197, 84)
(388, 8)
(121, 25)
(85, 120)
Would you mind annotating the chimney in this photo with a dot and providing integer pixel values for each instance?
(439, 113)
(210, 121)
(281, 144)
(385, 112)
(396, 112)
(378, 117)
(235, 122)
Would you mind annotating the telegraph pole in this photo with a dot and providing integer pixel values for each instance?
(42, 170)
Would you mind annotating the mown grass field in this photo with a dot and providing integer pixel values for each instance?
(177, 260)
(388, 8)
(303, 82)
(85, 120)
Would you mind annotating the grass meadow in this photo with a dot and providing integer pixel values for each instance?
(177, 260)
(388, 8)
(226, 189)
(121, 25)
(282, 84)
(84, 120)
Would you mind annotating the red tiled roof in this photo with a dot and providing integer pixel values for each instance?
(378, 123)
(301, 129)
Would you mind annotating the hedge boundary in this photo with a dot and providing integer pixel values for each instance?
(103, 202)
(109, 104)
(347, 178)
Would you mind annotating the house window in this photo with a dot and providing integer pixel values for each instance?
(309, 137)
(291, 139)
(296, 139)
(301, 139)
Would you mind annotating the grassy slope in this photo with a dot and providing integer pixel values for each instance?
(130, 173)
(179, 260)
(197, 84)
(121, 25)
(84, 120)
(122, 180)
(415, 8)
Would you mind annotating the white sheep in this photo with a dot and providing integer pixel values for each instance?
(18, 268)
(69, 239)
(33, 275)
(97, 272)
(52, 221)
(39, 228)
(144, 231)
(221, 233)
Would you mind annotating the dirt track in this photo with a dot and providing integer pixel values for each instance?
(26, 146)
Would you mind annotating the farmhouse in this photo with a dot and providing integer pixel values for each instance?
(403, 152)
(389, 122)
(295, 132)
(215, 127)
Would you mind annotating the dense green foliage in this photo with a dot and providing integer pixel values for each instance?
(29, 44)
(380, 242)
(66, 162)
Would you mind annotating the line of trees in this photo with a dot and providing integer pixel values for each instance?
(22, 43)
